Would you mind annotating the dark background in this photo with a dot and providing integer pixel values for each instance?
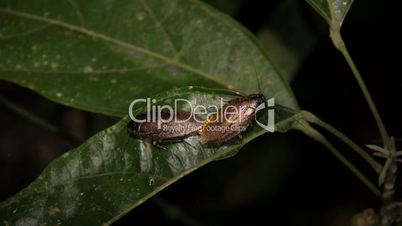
(277, 179)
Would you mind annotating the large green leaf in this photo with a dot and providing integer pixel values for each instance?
(333, 11)
(112, 173)
(100, 55)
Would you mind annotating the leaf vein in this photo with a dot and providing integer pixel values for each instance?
(159, 25)
(95, 34)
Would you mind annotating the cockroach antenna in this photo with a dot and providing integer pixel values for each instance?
(258, 84)
(257, 79)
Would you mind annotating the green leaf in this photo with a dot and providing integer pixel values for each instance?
(333, 11)
(112, 173)
(100, 55)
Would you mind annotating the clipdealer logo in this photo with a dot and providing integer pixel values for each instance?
(157, 113)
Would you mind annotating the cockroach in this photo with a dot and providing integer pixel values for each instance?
(233, 118)
(161, 131)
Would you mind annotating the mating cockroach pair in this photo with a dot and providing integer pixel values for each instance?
(219, 128)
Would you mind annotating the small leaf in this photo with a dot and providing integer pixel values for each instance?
(333, 11)
(384, 171)
(112, 173)
(378, 148)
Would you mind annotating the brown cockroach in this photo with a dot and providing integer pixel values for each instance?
(161, 131)
(233, 118)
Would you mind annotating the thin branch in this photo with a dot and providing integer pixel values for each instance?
(338, 42)
(370, 160)
(311, 132)
(37, 120)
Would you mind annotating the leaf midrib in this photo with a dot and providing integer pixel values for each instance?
(103, 37)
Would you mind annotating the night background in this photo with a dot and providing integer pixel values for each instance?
(277, 179)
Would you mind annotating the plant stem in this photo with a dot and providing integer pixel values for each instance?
(370, 160)
(338, 42)
(366, 93)
(310, 131)
(37, 120)
(391, 175)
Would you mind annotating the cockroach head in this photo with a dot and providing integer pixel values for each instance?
(132, 127)
(259, 98)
